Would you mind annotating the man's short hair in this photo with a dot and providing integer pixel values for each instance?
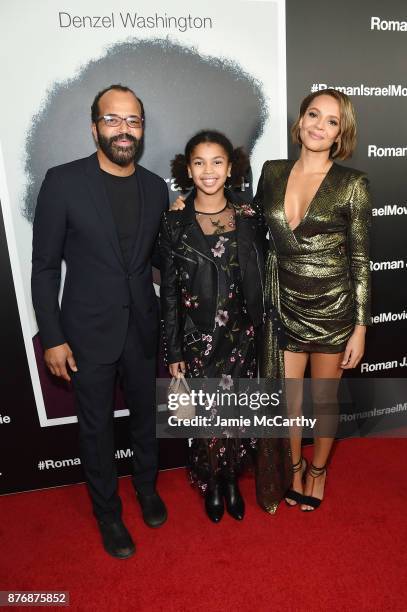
(94, 109)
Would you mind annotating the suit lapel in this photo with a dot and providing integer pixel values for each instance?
(141, 200)
(101, 203)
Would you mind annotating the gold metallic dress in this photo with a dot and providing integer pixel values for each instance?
(317, 275)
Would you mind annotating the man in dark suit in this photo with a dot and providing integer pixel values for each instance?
(101, 215)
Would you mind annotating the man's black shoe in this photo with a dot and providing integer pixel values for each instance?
(116, 539)
(153, 508)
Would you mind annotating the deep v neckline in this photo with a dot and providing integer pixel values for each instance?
(307, 209)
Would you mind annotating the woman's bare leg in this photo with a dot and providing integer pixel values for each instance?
(295, 364)
(323, 366)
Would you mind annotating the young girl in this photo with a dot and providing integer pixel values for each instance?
(212, 304)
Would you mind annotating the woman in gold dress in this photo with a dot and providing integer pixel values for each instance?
(317, 274)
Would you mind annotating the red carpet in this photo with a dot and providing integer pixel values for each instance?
(348, 555)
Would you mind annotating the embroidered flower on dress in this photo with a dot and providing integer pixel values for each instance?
(244, 210)
(219, 248)
(222, 318)
(226, 383)
(250, 331)
(190, 301)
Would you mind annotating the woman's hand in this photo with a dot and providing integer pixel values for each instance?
(354, 348)
(179, 204)
(177, 369)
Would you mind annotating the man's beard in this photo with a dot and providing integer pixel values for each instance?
(122, 156)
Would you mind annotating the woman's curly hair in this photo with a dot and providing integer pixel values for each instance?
(237, 157)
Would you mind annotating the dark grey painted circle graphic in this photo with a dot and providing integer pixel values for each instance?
(182, 92)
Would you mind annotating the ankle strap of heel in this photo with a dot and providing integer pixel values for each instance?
(298, 466)
(315, 471)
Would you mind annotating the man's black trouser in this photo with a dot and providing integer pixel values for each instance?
(94, 386)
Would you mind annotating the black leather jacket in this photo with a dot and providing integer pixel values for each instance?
(187, 267)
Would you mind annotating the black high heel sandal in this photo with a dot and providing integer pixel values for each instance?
(300, 466)
(310, 500)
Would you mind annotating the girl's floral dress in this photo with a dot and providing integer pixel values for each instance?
(226, 354)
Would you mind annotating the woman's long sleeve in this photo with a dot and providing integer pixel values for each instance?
(358, 244)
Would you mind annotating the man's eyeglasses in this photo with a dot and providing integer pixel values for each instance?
(114, 121)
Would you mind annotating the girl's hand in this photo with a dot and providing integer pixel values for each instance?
(354, 348)
(179, 204)
(177, 369)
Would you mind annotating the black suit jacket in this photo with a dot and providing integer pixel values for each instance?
(73, 221)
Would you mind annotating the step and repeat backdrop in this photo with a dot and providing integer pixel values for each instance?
(240, 67)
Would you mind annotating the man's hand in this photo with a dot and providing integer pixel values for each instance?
(56, 359)
(177, 369)
(179, 204)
